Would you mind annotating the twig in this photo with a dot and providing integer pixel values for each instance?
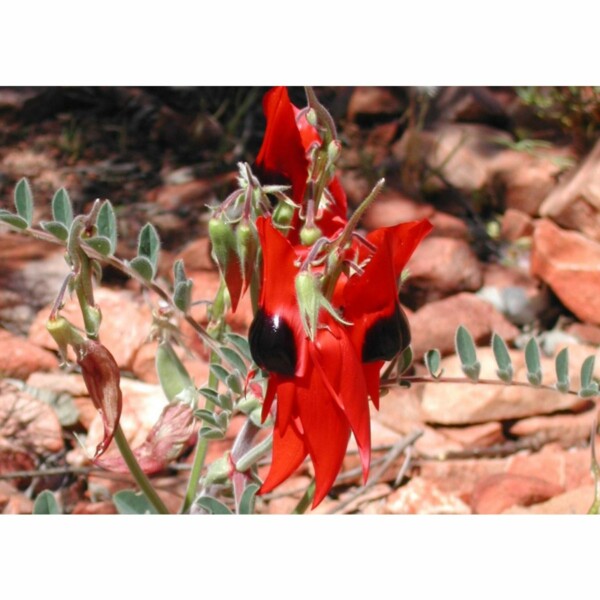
(393, 454)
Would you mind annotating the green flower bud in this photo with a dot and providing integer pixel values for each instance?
(64, 334)
(247, 245)
(173, 376)
(218, 471)
(282, 215)
(309, 235)
(333, 151)
(223, 242)
(308, 294)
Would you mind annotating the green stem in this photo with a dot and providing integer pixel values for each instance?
(201, 448)
(139, 475)
(305, 501)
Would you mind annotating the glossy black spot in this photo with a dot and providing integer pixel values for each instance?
(386, 337)
(272, 344)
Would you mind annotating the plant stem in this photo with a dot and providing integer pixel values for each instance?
(139, 475)
(201, 448)
(305, 501)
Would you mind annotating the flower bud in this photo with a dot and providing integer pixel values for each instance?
(218, 471)
(309, 235)
(311, 117)
(172, 374)
(333, 151)
(64, 334)
(283, 215)
(308, 295)
(247, 246)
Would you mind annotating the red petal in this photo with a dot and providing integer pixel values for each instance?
(289, 450)
(404, 239)
(282, 151)
(371, 372)
(234, 280)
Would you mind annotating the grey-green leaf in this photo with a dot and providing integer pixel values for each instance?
(532, 361)
(100, 244)
(182, 297)
(405, 360)
(505, 368)
(241, 343)
(235, 360)
(106, 224)
(220, 372)
(213, 506)
(14, 220)
(45, 504)
(432, 362)
(248, 500)
(143, 266)
(149, 244)
(129, 502)
(211, 433)
(587, 371)
(172, 374)
(562, 370)
(62, 209)
(24, 201)
(56, 228)
(465, 347)
(179, 272)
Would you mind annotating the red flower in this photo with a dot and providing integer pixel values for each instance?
(322, 385)
(288, 138)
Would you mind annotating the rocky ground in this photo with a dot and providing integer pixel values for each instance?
(512, 186)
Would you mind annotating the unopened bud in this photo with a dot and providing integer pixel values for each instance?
(64, 334)
(333, 151)
(247, 244)
(223, 241)
(311, 117)
(309, 235)
(218, 471)
(308, 295)
(283, 215)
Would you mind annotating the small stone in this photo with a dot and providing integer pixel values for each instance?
(21, 358)
(393, 207)
(448, 226)
(516, 225)
(441, 267)
(572, 502)
(434, 325)
(585, 333)
(372, 101)
(196, 256)
(575, 203)
(420, 496)
(475, 436)
(95, 508)
(570, 264)
(126, 322)
(497, 493)
(28, 424)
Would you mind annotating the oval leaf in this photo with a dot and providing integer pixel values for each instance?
(213, 506)
(24, 201)
(57, 229)
(100, 244)
(248, 500)
(143, 266)
(405, 360)
(128, 502)
(62, 209)
(13, 220)
(106, 224)
(432, 362)
(241, 343)
(45, 504)
(532, 360)
(235, 360)
(465, 347)
(587, 371)
(562, 370)
(505, 368)
(182, 297)
(179, 272)
(173, 376)
(149, 244)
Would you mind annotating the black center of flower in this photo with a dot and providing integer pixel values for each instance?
(386, 337)
(272, 344)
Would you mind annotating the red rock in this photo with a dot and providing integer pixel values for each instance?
(18, 504)
(516, 225)
(420, 496)
(195, 193)
(13, 459)
(525, 179)
(475, 436)
(285, 498)
(20, 357)
(27, 423)
(95, 508)
(566, 429)
(434, 325)
(372, 101)
(196, 256)
(393, 207)
(573, 502)
(575, 203)
(467, 403)
(570, 264)
(441, 267)
(585, 333)
(126, 322)
(448, 226)
(496, 493)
